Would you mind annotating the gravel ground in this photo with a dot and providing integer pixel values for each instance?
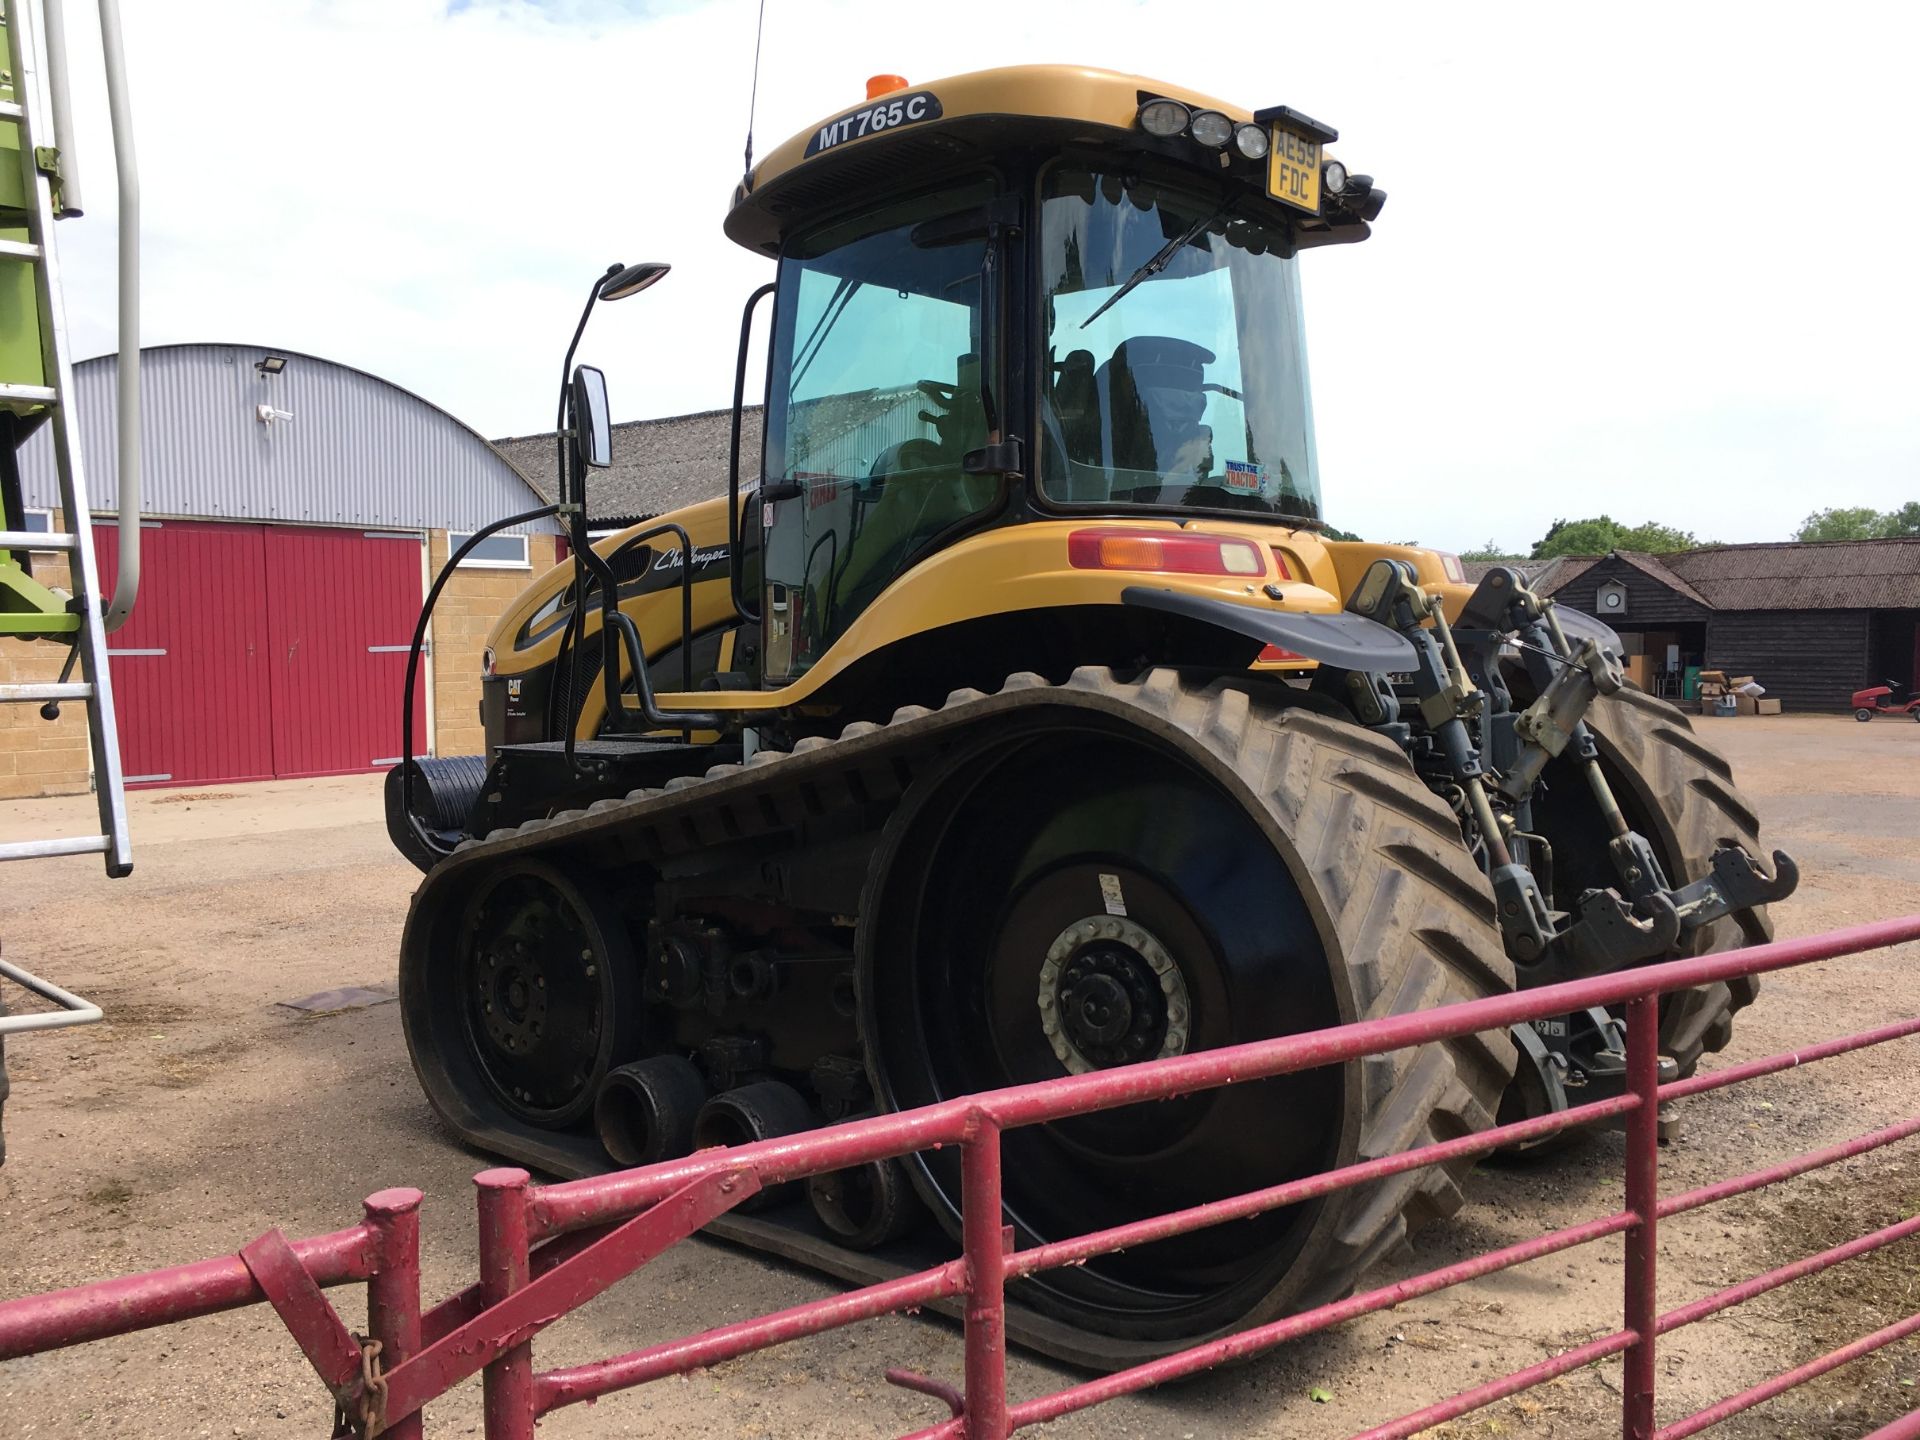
(204, 1112)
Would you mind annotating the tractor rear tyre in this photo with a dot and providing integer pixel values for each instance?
(1678, 791)
(1208, 865)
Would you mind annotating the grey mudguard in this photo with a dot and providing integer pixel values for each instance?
(1351, 642)
(1577, 625)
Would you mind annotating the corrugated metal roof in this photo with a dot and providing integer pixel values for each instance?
(1775, 575)
(1784, 575)
(1656, 567)
(1794, 575)
(658, 465)
(358, 450)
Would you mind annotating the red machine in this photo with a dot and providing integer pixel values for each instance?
(1887, 699)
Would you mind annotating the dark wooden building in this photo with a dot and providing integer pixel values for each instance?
(1812, 622)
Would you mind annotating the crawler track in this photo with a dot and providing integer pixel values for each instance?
(1403, 914)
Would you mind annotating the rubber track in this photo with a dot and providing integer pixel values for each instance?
(1687, 786)
(1406, 915)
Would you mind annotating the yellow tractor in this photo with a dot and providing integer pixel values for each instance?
(1014, 715)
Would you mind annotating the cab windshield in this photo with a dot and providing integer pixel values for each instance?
(875, 397)
(1176, 358)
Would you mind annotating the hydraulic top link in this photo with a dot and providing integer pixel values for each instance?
(1491, 753)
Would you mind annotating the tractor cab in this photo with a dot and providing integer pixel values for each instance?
(1085, 303)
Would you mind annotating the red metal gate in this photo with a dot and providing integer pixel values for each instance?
(547, 1250)
(263, 650)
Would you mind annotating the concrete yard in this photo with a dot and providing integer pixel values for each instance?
(202, 1113)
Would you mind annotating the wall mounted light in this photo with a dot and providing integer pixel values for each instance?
(272, 365)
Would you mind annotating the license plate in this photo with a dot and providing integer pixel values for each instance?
(1293, 170)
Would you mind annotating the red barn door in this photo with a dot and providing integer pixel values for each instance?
(341, 606)
(257, 651)
(191, 688)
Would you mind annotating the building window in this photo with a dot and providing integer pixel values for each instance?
(496, 552)
(41, 523)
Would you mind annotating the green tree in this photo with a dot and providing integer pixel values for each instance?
(1492, 550)
(1859, 522)
(1334, 532)
(1653, 539)
(1601, 533)
(1904, 521)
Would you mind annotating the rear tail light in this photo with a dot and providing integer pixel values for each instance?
(1280, 559)
(1164, 552)
(1451, 567)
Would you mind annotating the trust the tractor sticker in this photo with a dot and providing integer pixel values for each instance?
(1246, 477)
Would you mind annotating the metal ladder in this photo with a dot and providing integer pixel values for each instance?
(37, 387)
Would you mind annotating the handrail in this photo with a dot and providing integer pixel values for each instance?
(485, 532)
(61, 110)
(126, 582)
(736, 538)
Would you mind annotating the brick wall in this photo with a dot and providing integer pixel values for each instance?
(40, 757)
(462, 620)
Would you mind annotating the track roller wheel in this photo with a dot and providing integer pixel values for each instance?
(763, 1110)
(865, 1206)
(1139, 870)
(645, 1111)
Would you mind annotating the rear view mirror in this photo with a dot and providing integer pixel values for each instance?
(592, 430)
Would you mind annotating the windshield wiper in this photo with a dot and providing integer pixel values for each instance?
(1159, 262)
(836, 306)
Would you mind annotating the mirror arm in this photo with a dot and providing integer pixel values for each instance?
(566, 378)
(735, 539)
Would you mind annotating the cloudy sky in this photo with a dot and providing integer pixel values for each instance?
(1657, 260)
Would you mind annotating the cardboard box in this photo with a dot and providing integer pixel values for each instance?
(1746, 705)
(1735, 682)
(1713, 677)
(1767, 707)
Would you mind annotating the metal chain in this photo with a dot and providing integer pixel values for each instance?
(368, 1408)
